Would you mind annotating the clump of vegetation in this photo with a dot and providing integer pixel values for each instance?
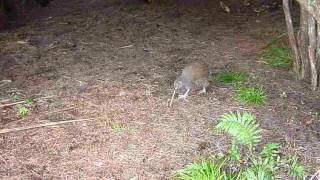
(247, 164)
(316, 114)
(231, 77)
(117, 127)
(23, 108)
(204, 169)
(251, 95)
(23, 111)
(277, 57)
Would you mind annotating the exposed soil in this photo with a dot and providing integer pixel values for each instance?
(116, 63)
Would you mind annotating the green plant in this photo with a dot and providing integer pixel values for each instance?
(316, 114)
(295, 169)
(29, 101)
(234, 153)
(265, 165)
(15, 97)
(23, 111)
(117, 127)
(205, 169)
(231, 77)
(251, 95)
(242, 127)
(277, 57)
(248, 165)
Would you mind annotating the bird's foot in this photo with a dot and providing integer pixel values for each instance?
(203, 91)
(184, 97)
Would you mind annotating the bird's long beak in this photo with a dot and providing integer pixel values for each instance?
(174, 92)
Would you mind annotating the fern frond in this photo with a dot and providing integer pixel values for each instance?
(242, 127)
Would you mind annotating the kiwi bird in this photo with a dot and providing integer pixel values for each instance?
(195, 75)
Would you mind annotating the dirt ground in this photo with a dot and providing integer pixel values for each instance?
(115, 63)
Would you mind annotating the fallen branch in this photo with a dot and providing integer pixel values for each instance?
(126, 46)
(9, 130)
(315, 175)
(22, 102)
(12, 104)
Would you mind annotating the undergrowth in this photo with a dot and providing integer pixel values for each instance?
(251, 95)
(248, 164)
(277, 57)
(23, 108)
(231, 77)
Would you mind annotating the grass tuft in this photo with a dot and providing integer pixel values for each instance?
(205, 169)
(277, 57)
(251, 95)
(231, 77)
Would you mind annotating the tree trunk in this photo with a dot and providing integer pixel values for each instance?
(292, 39)
(303, 42)
(312, 7)
(318, 52)
(312, 52)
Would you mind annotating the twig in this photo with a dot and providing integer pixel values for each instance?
(9, 130)
(233, 107)
(315, 175)
(12, 104)
(126, 46)
(21, 102)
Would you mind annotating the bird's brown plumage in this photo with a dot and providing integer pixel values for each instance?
(195, 71)
(194, 75)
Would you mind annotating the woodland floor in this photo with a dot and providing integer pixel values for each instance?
(127, 57)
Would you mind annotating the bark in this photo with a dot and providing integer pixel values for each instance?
(312, 52)
(292, 39)
(318, 52)
(312, 6)
(303, 43)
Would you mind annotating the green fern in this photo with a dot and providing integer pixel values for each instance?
(242, 127)
(235, 153)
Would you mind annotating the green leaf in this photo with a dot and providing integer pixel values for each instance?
(242, 127)
(234, 153)
(296, 169)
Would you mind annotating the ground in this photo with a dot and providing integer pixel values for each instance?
(114, 64)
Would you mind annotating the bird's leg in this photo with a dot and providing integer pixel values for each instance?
(185, 95)
(203, 90)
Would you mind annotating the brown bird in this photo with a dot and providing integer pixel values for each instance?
(195, 75)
